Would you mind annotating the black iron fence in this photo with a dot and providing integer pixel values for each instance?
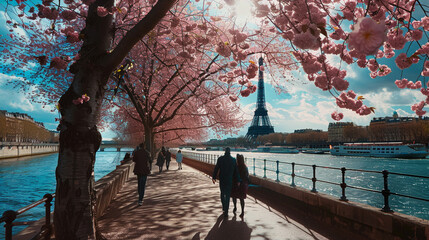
(271, 166)
(9, 217)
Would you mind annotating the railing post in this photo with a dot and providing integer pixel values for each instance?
(386, 192)
(314, 179)
(48, 205)
(343, 185)
(277, 171)
(293, 175)
(9, 216)
(254, 167)
(265, 168)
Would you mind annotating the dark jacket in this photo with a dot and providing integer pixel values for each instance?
(227, 168)
(142, 159)
(167, 156)
(160, 160)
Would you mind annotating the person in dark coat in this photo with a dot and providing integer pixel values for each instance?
(240, 191)
(226, 166)
(141, 169)
(161, 158)
(167, 158)
(127, 158)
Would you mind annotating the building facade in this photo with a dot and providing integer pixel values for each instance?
(403, 129)
(336, 131)
(19, 127)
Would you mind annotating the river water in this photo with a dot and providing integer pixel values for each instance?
(411, 186)
(25, 180)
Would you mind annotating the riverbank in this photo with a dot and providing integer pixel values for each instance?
(15, 150)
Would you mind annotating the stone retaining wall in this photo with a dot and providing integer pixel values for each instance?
(369, 222)
(108, 186)
(12, 150)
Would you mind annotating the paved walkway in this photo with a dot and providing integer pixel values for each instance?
(185, 204)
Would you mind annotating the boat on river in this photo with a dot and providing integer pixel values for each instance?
(313, 151)
(381, 150)
(276, 149)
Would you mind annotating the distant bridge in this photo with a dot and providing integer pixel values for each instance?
(115, 145)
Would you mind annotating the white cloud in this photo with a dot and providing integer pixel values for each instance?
(22, 103)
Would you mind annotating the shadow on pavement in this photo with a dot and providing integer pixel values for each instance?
(229, 229)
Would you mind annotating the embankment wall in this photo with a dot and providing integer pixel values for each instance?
(13, 150)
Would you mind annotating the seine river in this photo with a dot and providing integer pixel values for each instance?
(25, 180)
(416, 187)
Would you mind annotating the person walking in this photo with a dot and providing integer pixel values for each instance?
(226, 166)
(167, 158)
(141, 169)
(240, 191)
(161, 158)
(179, 159)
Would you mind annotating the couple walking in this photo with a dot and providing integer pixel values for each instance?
(233, 180)
(163, 156)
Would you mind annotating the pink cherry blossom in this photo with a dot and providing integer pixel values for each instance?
(306, 40)
(245, 92)
(364, 110)
(68, 15)
(402, 61)
(340, 84)
(77, 101)
(337, 116)
(72, 37)
(233, 98)
(85, 98)
(58, 63)
(102, 11)
(402, 83)
(223, 49)
(424, 91)
(367, 36)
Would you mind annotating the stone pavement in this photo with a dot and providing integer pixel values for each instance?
(185, 204)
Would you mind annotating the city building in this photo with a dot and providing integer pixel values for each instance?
(336, 131)
(395, 128)
(19, 127)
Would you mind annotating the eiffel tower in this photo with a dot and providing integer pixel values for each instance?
(261, 122)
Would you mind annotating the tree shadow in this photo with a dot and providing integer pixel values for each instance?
(229, 229)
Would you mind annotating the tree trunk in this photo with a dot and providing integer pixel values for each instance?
(79, 141)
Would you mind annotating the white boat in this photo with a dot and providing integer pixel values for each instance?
(313, 151)
(261, 149)
(279, 149)
(276, 149)
(381, 149)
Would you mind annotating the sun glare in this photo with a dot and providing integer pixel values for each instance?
(242, 9)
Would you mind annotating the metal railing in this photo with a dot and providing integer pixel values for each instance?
(9, 217)
(385, 192)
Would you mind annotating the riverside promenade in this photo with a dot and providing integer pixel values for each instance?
(185, 204)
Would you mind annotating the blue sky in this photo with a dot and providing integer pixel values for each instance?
(304, 106)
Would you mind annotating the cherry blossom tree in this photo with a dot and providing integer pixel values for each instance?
(188, 75)
(360, 32)
(80, 104)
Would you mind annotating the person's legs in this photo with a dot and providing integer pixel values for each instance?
(225, 192)
(242, 207)
(160, 169)
(234, 200)
(141, 186)
(180, 164)
(167, 164)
